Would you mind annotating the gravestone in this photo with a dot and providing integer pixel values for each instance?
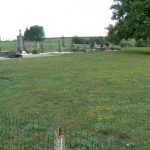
(20, 43)
(39, 46)
(93, 45)
(61, 44)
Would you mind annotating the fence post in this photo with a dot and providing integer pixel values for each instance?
(59, 139)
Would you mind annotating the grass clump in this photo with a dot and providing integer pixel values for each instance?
(34, 51)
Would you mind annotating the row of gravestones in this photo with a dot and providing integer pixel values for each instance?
(93, 47)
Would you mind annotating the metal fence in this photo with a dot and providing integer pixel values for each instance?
(55, 46)
(24, 133)
(8, 45)
(17, 133)
(47, 46)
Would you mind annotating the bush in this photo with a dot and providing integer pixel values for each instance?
(142, 43)
(128, 43)
(34, 51)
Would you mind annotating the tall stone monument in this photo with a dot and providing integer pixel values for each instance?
(61, 44)
(20, 43)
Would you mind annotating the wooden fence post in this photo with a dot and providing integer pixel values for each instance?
(59, 140)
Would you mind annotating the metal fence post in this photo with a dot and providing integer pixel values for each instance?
(59, 140)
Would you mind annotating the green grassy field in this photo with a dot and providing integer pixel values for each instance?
(103, 92)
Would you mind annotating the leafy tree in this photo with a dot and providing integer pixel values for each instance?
(112, 35)
(133, 20)
(78, 40)
(34, 33)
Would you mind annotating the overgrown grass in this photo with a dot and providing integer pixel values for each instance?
(103, 92)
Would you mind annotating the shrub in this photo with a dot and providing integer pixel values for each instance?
(34, 51)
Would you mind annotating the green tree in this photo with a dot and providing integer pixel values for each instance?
(34, 33)
(78, 40)
(112, 34)
(132, 20)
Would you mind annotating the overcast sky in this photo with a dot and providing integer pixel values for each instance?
(58, 17)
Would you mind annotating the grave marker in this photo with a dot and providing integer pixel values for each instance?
(20, 43)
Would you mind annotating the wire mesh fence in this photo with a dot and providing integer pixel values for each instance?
(24, 133)
(8, 45)
(46, 46)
